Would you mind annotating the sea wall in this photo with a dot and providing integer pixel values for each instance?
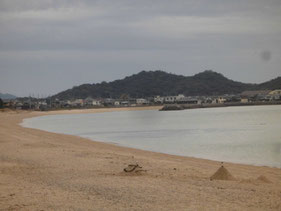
(174, 107)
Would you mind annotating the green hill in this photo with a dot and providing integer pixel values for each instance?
(152, 83)
(271, 85)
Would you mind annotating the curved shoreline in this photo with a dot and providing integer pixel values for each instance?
(93, 111)
(43, 170)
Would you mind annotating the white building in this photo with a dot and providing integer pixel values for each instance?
(92, 102)
(159, 99)
(180, 97)
(96, 103)
(275, 94)
(221, 100)
(77, 102)
(116, 103)
(141, 101)
(170, 99)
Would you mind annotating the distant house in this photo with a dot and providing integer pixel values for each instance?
(158, 99)
(275, 94)
(96, 102)
(214, 101)
(217, 100)
(244, 100)
(116, 103)
(88, 101)
(221, 100)
(42, 105)
(180, 97)
(257, 95)
(108, 102)
(7, 103)
(18, 105)
(233, 98)
(124, 103)
(132, 102)
(67, 103)
(188, 100)
(169, 99)
(208, 100)
(193, 101)
(142, 101)
(77, 103)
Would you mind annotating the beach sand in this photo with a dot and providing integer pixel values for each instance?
(46, 171)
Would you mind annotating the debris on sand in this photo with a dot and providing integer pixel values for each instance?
(222, 174)
(133, 168)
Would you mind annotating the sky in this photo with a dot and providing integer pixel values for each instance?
(47, 46)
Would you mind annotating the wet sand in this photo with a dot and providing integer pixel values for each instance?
(46, 171)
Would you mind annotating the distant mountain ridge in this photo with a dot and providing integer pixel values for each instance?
(152, 83)
(7, 96)
(271, 85)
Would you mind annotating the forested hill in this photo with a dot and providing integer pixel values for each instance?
(271, 85)
(152, 83)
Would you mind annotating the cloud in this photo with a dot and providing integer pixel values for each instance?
(130, 35)
(190, 26)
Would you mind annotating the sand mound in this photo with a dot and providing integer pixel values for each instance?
(222, 174)
(263, 179)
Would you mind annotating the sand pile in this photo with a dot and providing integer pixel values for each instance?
(222, 174)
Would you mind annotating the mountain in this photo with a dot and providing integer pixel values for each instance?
(152, 83)
(7, 96)
(271, 85)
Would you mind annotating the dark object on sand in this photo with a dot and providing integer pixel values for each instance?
(133, 168)
(222, 174)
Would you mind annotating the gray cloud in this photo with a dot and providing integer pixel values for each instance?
(90, 41)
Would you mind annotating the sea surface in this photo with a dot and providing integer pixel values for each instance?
(248, 135)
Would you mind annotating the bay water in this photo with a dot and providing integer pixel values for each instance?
(248, 134)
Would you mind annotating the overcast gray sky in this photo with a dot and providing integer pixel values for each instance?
(47, 46)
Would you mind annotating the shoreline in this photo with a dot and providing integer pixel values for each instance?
(103, 110)
(43, 170)
(134, 148)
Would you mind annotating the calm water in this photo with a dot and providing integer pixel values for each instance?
(250, 135)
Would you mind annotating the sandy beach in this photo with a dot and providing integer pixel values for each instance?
(46, 171)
